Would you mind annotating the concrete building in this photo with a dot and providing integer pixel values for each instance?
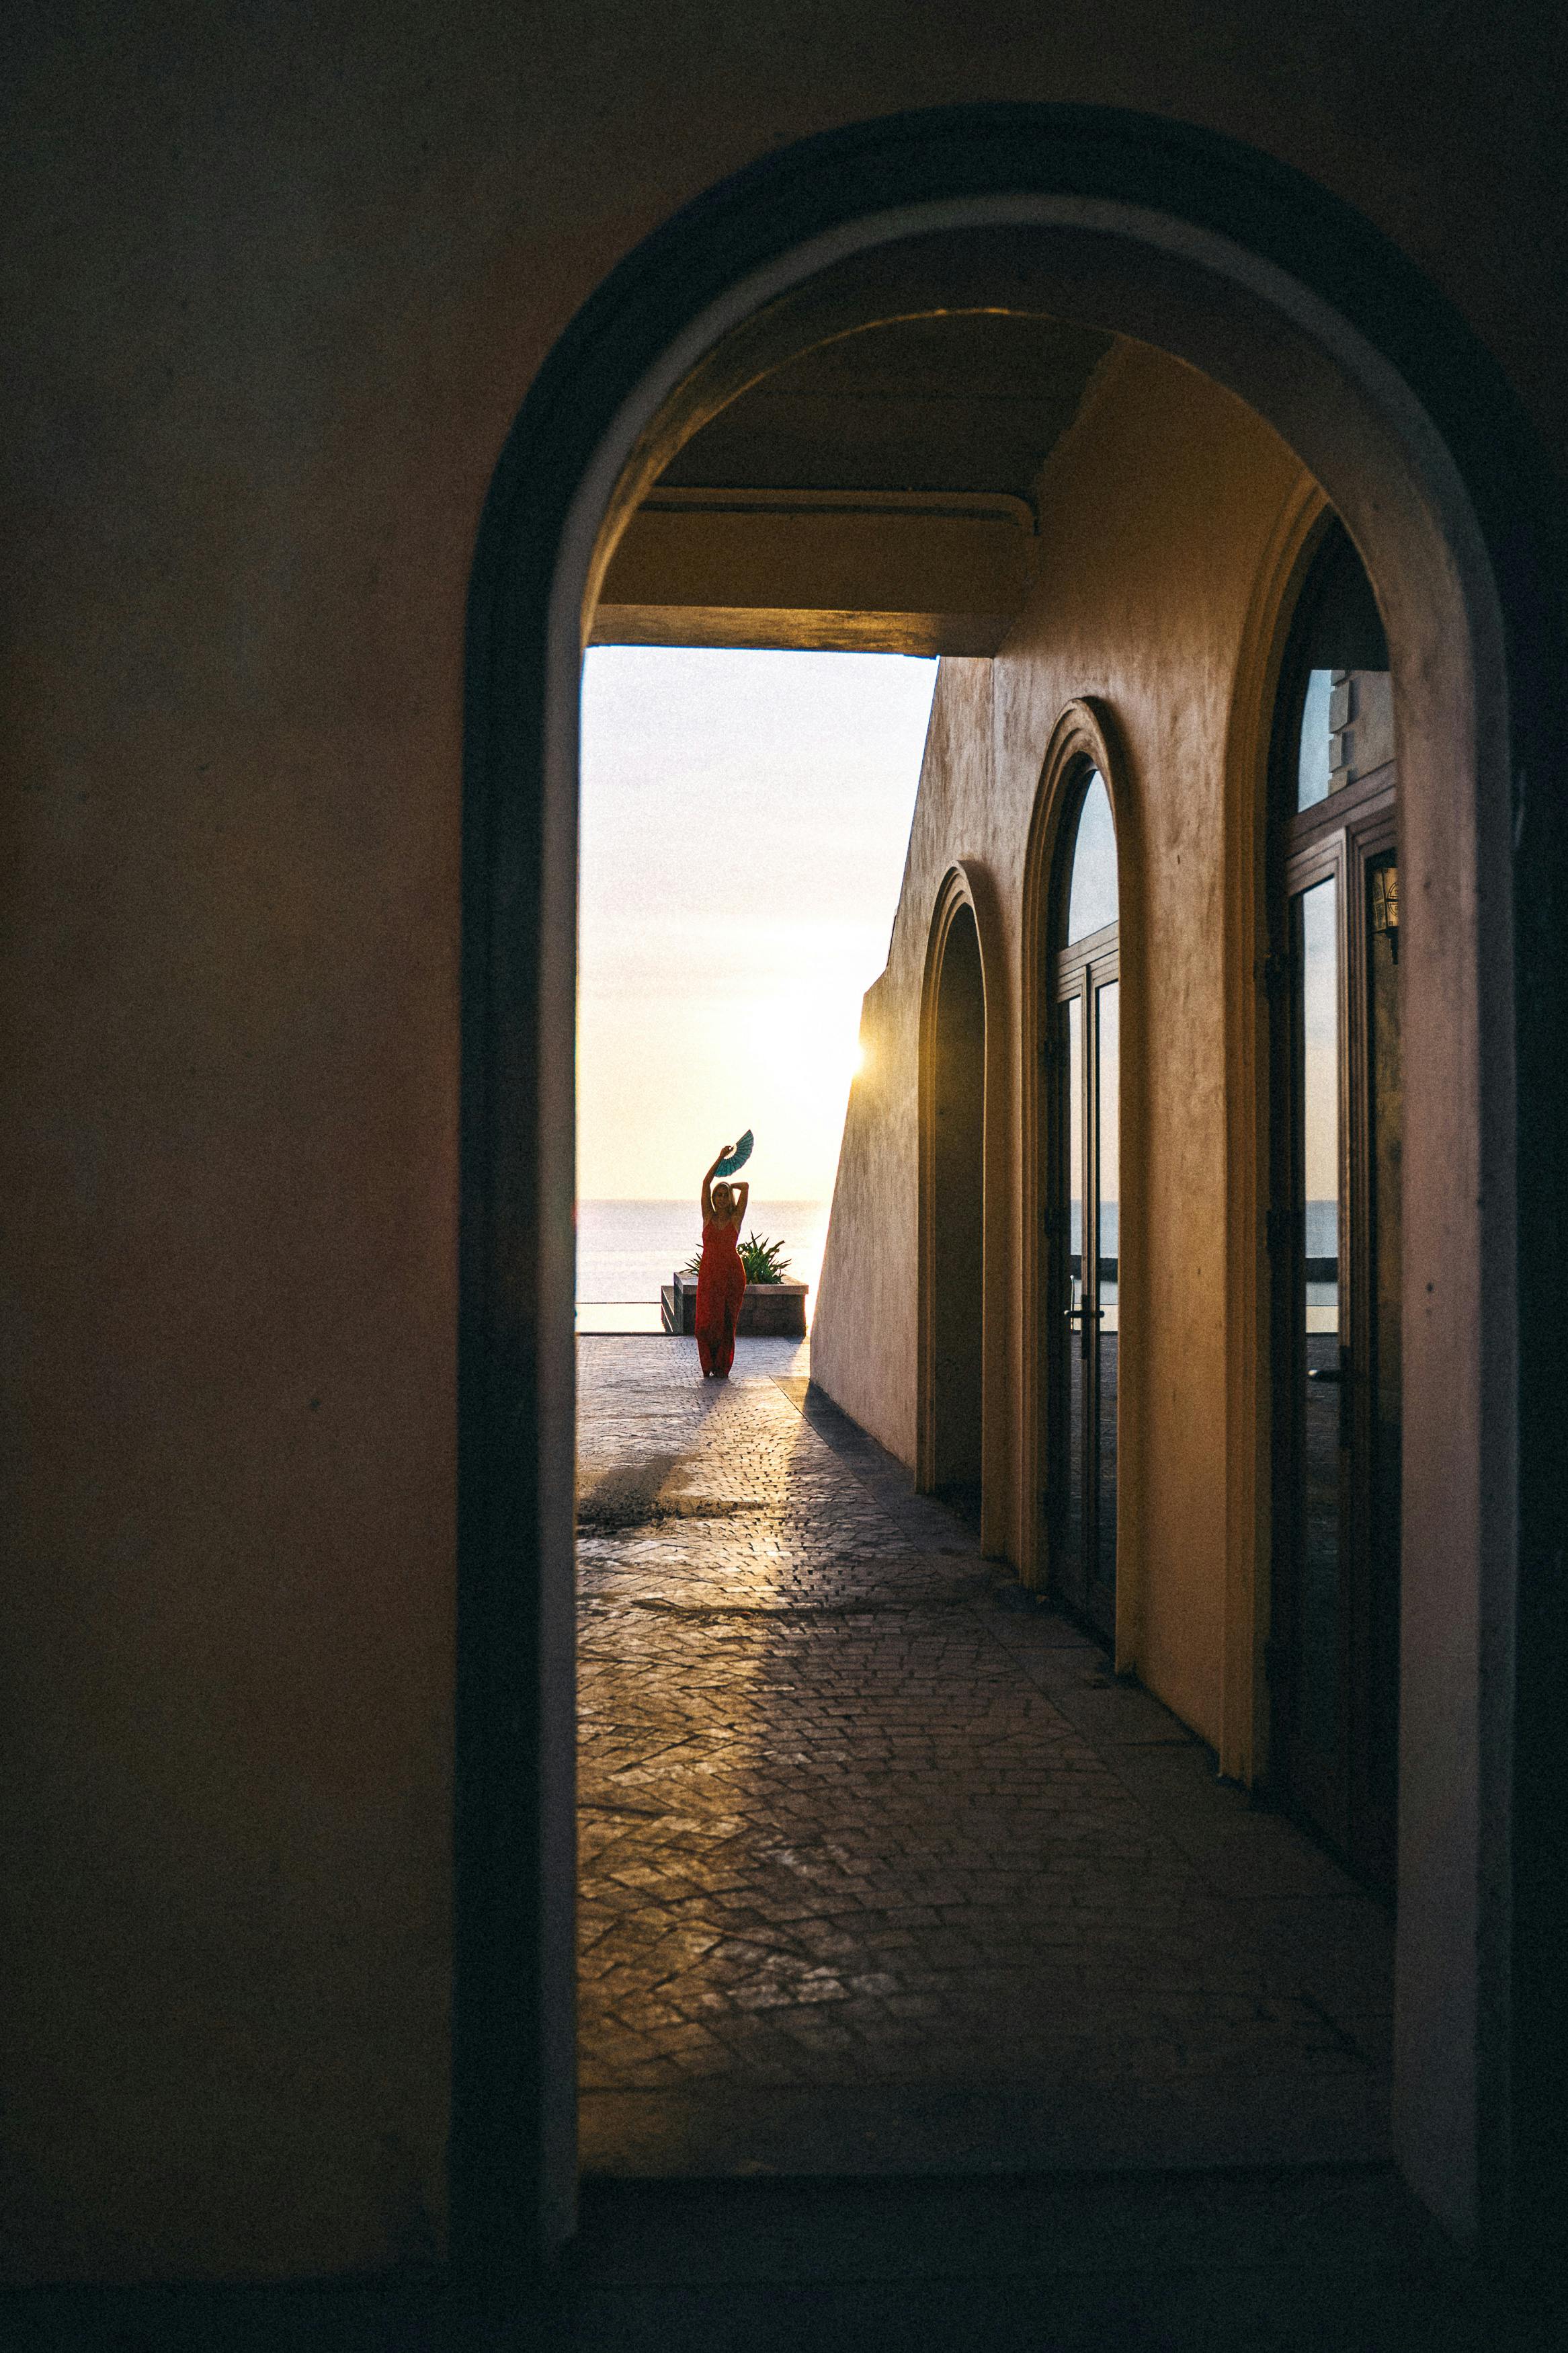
(364, 367)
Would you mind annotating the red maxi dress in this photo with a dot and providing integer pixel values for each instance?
(721, 1287)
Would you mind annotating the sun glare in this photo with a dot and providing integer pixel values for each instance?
(722, 989)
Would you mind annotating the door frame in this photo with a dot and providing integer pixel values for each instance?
(1339, 847)
(1085, 736)
(1246, 269)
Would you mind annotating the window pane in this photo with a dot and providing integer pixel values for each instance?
(1347, 731)
(1341, 656)
(1073, 1566)
(1108, 1012)
(1313, 758)
(1107, 1072)
(1319, 1273)
(1385, 1072)
(1320, 1103)
(1075, 1147)
(1091, 899)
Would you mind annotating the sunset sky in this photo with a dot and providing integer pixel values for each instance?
(744, 822)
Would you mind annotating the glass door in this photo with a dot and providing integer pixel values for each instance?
(1336, 1644)
(1334, 1226)
(1378, 1438)
(1318, 1361)
(1084, 1219)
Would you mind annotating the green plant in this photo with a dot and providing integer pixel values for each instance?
(760, 1257)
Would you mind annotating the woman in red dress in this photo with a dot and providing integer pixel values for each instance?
(721, 1277)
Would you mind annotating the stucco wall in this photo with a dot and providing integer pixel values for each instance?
(864, 1335)
(277, 282)
(1156, 515)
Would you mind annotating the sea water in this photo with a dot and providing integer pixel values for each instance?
(628, 1249)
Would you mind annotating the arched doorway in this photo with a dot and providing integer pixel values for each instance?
(1082, 1144)
(1246, 271)
(953, 1216)
(1334, 1228)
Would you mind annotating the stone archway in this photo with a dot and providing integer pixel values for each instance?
(1247, 272)
(952, 1210)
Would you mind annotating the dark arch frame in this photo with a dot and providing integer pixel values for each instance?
(962, 899)
(1085, 739)
(1323, 544)
(509, 2199)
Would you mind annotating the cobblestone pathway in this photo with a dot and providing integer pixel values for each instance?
(880, 1868)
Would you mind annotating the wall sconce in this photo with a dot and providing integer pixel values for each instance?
(1385, 907)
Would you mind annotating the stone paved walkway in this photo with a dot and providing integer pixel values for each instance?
(881, 1870)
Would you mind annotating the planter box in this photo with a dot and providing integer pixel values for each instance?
(770, 1311)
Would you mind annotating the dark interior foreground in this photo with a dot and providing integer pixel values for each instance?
(1339, 2258)
(332, 325)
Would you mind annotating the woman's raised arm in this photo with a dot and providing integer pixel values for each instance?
(703, 1202)
(742, 1194)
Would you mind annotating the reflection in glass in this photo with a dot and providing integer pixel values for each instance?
(1091, 897)
(1335, 1241)
(1313, 759)
(1347, 701)
(1073, 1531)
(1108, 1037)
(1347, 731)
(1387, 1109)
(1317, 1080)
(1085, 1213)
(1108, 1138)
(1075, 1146)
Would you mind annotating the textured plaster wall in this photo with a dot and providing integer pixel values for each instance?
(864, 1335)
(1157, 516)
(276, 281)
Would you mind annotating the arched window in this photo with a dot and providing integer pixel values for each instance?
(1083, 1213)
(1092, 889)
(1334, 1224)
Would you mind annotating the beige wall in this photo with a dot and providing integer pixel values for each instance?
(278, 283)
(865, 1332)
(1157, 514)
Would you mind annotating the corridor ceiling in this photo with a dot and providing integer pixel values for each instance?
(879, 494)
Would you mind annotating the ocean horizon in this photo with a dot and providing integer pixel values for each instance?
(626, 1251)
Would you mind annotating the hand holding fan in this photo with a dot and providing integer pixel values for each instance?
(736, 1159)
